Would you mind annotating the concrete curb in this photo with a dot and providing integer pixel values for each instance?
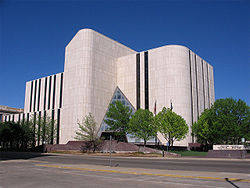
(160, 158)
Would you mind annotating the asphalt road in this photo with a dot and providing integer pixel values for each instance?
(24, 170)
(208, 165)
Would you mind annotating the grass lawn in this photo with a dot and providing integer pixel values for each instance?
(136, 154)
(190, 153)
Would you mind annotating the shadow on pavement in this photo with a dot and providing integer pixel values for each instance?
(227, 180)
(9, 155)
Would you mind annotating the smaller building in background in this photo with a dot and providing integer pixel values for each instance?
(6, 110)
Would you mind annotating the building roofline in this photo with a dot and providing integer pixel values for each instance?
(10, 109)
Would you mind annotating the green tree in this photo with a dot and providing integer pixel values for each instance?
(45, 129)
(5, 134)
(118, 117)
(226, 122)
(171, 125)
(207, 132)
(142, 125)
(88, 132)
(27, 134)
(17, 132)
(15, 136)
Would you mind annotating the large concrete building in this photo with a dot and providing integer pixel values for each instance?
(8, 111)
(99, 70)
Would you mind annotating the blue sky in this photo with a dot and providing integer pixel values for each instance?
(33, 35)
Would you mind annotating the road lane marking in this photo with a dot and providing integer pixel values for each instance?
(142, 180)
(144, 173)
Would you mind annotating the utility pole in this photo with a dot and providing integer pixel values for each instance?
(110, 139)
(154, 122)
(171, 108)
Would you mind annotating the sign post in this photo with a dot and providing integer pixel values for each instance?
(243, 140)
(167, 145)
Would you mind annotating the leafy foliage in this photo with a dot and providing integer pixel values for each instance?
(205, 131)
(172, 126)
(226, 122)
(46, 129)
(142, 125)
(26, 134)
(88, 131)
(16, 136)
(118, 117)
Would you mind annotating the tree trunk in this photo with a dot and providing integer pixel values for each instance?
(11, 144)
(94, 147)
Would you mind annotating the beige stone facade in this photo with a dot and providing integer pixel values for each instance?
(96, 65)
